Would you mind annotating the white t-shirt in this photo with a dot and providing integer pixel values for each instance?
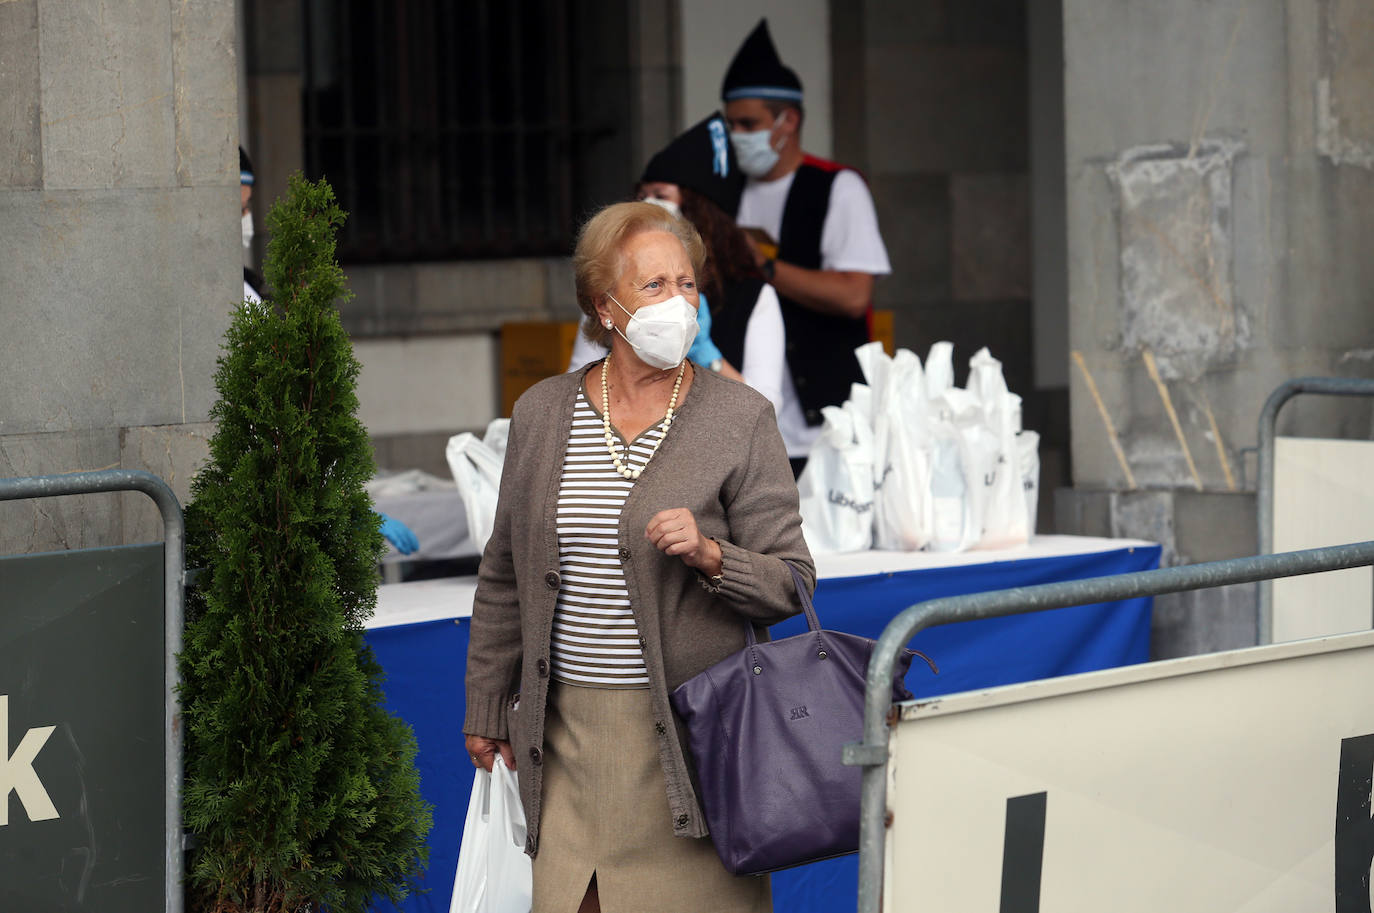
(849, 241)
(765, 359)
(849, 238)
(765, 369)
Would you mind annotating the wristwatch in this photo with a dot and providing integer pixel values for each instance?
(769, 267)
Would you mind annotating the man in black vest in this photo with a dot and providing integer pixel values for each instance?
(828, 244)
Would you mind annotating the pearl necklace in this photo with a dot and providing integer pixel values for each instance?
(620, 467)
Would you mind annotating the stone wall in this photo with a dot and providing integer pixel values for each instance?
(1219, 182)
(119, 203)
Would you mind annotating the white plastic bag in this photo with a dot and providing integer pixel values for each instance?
(1005, 523)
(1028, 449)
(496, 435)
(902, 519)
(476, 467)
(836, 487)
(939, 369)
(494, 874)
(959, 453)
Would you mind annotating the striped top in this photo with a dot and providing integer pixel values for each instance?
(595, 639)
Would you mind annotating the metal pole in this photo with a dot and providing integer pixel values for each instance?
(173, 581)
(1264, 493)
(872, 752)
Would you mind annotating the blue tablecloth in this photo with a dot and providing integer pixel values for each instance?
(425, 664)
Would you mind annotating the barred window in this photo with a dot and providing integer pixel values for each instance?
(447, 127)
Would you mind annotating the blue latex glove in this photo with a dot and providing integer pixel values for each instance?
(703, 350)
(398, 534)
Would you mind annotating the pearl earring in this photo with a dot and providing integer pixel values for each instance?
(609, 324)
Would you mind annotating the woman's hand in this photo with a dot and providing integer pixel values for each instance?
(483, 751)
(674, 532)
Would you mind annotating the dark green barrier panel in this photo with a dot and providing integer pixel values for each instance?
(81, 651)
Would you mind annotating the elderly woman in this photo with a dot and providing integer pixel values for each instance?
(647, 514)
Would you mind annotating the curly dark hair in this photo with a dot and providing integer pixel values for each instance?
(729, 258)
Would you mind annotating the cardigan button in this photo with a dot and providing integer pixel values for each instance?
(624, 553)
(536, 756)
(681, 821)
(529, 844)
(552, 579)
(542, 666)
(659, 727)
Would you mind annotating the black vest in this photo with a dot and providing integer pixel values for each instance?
(820, 347)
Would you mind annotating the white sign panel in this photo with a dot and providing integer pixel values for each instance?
(1231, 782)
(1323, 495)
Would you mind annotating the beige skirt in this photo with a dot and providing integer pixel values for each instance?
(605, 813)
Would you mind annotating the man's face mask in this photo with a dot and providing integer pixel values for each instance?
(757, 151)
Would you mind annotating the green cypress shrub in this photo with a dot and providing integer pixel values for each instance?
(301, 790)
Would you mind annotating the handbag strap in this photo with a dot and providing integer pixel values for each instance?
(813, 621)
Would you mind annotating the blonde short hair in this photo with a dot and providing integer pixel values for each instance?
(599, 256)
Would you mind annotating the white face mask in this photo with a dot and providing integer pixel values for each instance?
(247, 224)
(755, 151)
(661, 333)
(666, 204)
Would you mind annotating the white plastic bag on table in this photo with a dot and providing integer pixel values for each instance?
(1028, 450)
(494, 874)
(939, 369)
(860, 404)
(496, 435)
(836, 487)
(1005, 523)
(959, 452)
(476, 467)
(902, 518)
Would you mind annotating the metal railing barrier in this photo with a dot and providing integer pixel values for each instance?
(174, 563)
(872, 753)
(1264, 493)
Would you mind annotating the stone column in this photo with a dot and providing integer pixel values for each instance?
(119, 207)
(1219, 190)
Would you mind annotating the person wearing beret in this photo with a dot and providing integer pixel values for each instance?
(704, 349)
(646, 520)
(822, 218)
(697, 177)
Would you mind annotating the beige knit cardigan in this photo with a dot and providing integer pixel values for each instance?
(724, 459)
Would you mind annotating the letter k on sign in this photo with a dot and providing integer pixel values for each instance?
(17, 773)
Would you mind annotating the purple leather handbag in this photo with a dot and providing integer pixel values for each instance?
(766, 727)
